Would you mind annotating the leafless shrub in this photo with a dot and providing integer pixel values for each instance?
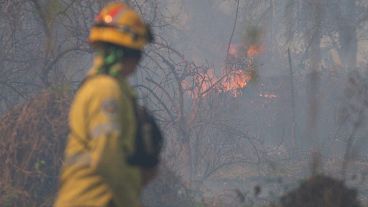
(354, 115)
(32, 143)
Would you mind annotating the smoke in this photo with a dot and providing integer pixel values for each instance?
(293, 101)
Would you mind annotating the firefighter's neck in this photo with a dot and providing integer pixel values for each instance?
(120, 70)
(123, 68)
(128, 66)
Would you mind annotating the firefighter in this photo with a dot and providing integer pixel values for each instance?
(102, 119)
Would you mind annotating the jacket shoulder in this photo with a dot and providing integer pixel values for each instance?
(100, 84)
(96, 90)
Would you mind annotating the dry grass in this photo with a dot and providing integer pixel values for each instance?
(31, 146)
(32, 142)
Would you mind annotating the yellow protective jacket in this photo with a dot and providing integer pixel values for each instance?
(102, 132)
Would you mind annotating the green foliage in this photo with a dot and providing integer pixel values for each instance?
(52, 9)
(61, 89)
(9, 197)
(199, 205)
(39, 165)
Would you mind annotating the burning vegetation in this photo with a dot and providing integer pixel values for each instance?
(191, 100)
(238, 71)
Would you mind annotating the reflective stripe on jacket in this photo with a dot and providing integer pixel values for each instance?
(102, 131)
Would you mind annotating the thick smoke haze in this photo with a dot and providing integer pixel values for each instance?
(248, 92)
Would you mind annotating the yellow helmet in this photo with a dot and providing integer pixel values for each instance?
(119, 24)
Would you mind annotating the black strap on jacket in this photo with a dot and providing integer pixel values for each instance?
(148, 141)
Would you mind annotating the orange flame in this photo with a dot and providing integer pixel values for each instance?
(232, 80)
(233, 50)
(203, 83)
(235, 80)
(254, 50)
